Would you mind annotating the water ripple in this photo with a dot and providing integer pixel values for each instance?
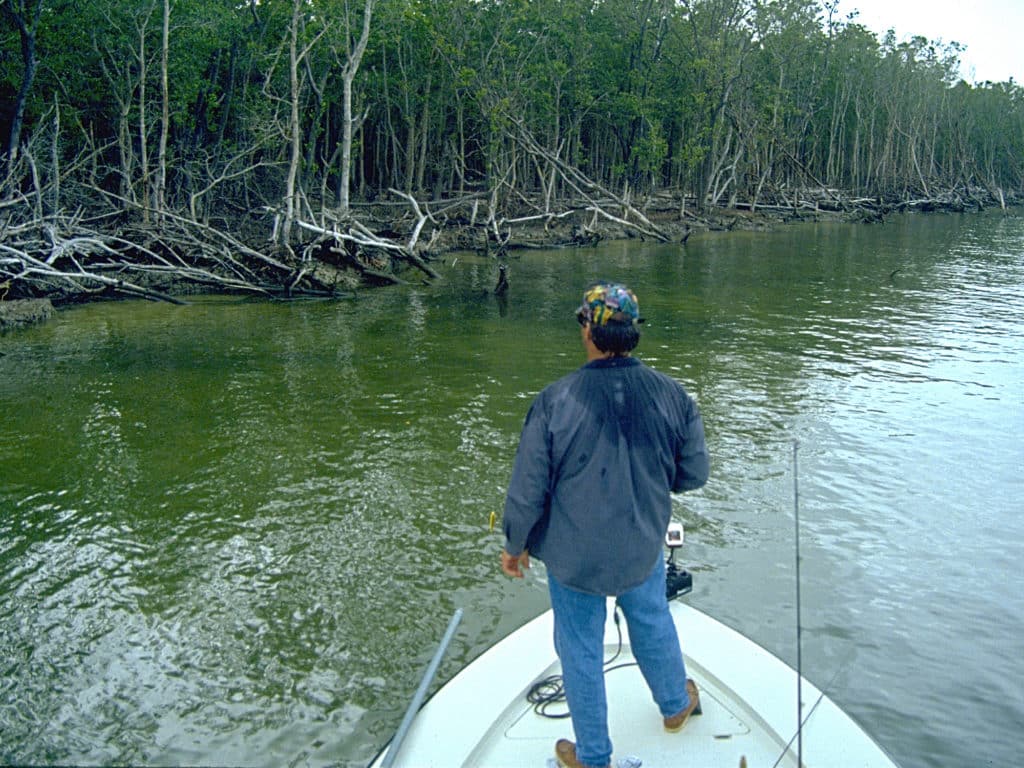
(233, 533)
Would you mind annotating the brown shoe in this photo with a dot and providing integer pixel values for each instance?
(675, 723)
(565, 753)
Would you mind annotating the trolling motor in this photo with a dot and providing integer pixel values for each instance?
(678, 580)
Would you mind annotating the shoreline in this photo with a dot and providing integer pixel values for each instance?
(325, 275)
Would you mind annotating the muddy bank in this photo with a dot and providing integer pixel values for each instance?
(24, 312)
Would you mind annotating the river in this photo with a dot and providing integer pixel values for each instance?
(232, 533)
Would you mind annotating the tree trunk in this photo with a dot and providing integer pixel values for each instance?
(143, 138)
(421, 165)
(18, 12)
(165, 116)
(294, 126)
(348, 75)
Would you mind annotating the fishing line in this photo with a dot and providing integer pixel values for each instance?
(821, 697)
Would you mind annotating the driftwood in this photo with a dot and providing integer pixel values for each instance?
(114, 244)
(61, 257)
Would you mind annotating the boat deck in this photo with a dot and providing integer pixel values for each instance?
(481, 717)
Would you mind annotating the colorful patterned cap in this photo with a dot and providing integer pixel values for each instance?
(608, 303)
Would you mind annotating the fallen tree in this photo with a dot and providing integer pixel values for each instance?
(103, 249)
(367, 252)
(598, 199)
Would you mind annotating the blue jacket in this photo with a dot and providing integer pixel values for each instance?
(600, 452)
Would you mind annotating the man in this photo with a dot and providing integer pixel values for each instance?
(599, 454)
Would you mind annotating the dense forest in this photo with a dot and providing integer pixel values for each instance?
(303, 146)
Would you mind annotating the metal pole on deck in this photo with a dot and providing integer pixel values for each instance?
(421, 692)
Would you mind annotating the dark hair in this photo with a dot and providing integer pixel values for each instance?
(618, 338)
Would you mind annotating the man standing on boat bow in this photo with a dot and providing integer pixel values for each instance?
(600, 453)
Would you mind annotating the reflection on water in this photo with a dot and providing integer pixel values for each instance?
(232, 533)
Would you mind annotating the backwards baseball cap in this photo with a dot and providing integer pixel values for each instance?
(605, 303)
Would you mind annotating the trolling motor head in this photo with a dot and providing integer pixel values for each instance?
(678, 581)
(674, 537)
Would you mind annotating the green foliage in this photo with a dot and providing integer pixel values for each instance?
(743, 96)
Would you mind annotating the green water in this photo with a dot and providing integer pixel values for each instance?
(232, 533)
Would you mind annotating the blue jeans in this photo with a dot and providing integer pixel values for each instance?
(579, 642)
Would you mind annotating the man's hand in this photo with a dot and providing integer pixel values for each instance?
(512, 565)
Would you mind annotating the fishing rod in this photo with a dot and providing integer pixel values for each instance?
(799, 624)
(800, 720)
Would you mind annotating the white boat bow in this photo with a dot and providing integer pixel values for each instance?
(481, 717)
